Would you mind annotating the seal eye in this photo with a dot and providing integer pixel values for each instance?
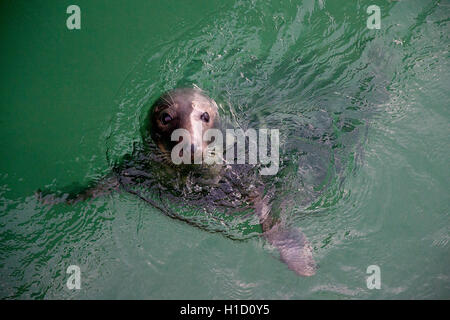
(205, 117)
(166, 118)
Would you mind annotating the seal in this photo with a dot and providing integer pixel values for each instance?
(192, 110)
(216, 185)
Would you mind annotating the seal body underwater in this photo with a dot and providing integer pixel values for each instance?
(225, 185)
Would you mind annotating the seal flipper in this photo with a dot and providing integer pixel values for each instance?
(74, 194)
(295, 249)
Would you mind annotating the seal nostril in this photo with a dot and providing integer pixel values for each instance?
(205, 117)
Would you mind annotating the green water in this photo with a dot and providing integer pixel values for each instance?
(363, 116)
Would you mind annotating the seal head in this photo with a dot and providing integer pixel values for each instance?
(188, 109)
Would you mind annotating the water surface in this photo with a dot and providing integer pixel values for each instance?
(364, 123)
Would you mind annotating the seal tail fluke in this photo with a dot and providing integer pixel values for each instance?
(295, 250)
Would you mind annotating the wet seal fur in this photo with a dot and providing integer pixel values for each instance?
(191, 109)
